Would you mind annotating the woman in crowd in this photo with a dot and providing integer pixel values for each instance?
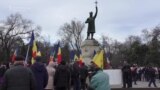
(51, 73)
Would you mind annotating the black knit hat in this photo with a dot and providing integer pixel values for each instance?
(19, 58)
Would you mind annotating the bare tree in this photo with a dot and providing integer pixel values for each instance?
(72, 33)
(12, 32)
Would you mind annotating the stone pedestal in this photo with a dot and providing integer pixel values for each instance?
(88, 47)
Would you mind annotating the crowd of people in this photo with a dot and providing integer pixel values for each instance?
(64, 76)
(132, 74)
(67, 76)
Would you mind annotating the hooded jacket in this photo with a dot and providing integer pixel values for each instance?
(40, 74)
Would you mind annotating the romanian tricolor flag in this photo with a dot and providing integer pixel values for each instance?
(80, 59)
(14, 55)
(75, 57)
(59, 56)
(34, 52)
(72, 55)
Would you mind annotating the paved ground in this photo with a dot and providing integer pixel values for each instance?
(140, 84)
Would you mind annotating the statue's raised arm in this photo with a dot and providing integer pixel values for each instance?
(96, 12)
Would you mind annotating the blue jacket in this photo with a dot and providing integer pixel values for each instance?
(41, 75)
(100, 81)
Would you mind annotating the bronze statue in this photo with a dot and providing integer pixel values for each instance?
(91, 23)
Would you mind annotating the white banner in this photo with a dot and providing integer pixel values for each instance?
(115, 76)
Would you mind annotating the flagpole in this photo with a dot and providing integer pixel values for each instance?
(27, 55)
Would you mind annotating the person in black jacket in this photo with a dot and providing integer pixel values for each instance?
(62, 77)
(40, 74)
(83, 75)
(76, 76)
(18, 77)
(2, 71)
(152, 77)
(127, 75)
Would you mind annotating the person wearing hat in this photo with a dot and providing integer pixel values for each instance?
(40, 73)
(100, 80)
(18, 77)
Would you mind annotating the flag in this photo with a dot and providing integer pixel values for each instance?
(38, 53)
(29, 45)
(80, 59)
(72, 55)
(94, 53)
(32, 39)
(51, 58)
(56, 49)
(99, 59)
(14, 55)
(52, 54)
(34, 51)
(75, 57)
(59, 55)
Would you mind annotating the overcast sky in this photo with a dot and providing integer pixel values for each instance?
(116, 18)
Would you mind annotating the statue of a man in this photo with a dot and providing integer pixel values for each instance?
(91, 24)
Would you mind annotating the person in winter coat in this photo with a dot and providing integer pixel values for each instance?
(18, 77)
(134, 74)
(51, 73)
(40, 74)
(152, 75)
(83, 75)
(62, 77)
(100, 80)
(126, 75)
(2, 71)
(76, 76)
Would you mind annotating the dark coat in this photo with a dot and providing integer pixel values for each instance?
(83, 72)
(76, 71)
(62, 77)
(2, 71)
(18, 78)
(152, 73)
(40, 74)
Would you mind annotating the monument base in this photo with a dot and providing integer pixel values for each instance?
(88, 47)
